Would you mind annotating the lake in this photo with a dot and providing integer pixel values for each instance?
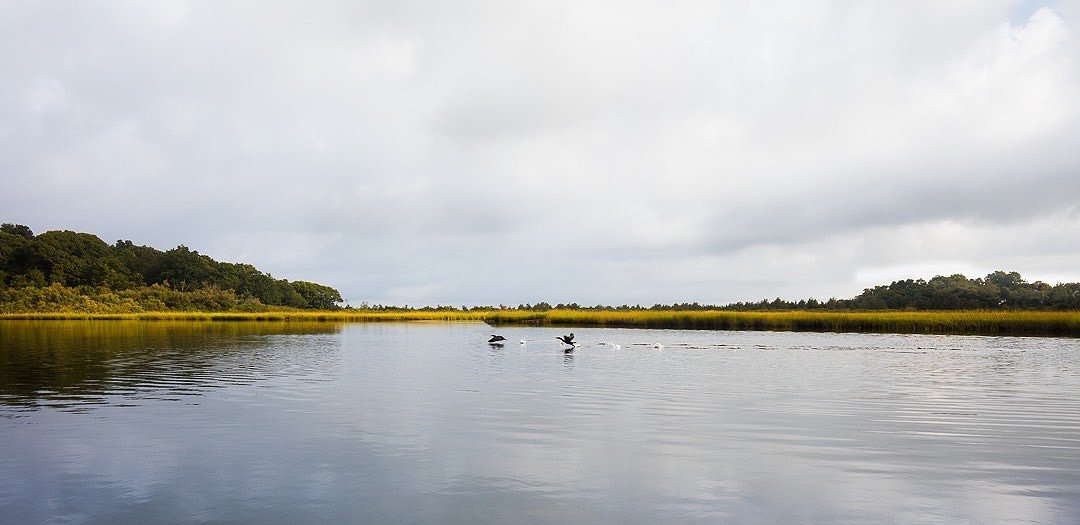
(245, 422)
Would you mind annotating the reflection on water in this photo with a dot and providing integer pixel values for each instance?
(426, 423)
(77, 365)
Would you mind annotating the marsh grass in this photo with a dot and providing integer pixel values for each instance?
(983, 322)
(286, 315)
(929, 322)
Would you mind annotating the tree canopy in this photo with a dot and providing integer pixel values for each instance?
(998, 290)
(65, 269)
(83, 261)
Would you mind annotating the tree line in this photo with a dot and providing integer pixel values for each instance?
(999, 290)
(68, 269)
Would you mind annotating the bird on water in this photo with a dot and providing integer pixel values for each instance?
(567, 339)
(496, 339)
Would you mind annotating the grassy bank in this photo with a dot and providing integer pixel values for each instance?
(343, 316)
(928, 322)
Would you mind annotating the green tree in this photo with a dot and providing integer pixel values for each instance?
(317, 296)
(15, 256)
(143, 263)
(185, 269)
(17, 230)
(78, 259)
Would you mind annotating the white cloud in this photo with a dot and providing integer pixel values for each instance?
(566, 151)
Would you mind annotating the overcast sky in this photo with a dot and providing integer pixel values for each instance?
(487, 152)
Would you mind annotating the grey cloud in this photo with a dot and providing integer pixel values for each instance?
(566, 151)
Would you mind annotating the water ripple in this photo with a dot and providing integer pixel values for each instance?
(417, 423)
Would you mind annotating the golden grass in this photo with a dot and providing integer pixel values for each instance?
(937, 322)
(928, 322)
(292, 315)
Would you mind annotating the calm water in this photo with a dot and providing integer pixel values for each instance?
(120, 422)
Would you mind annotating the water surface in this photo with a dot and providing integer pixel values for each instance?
(186, 422)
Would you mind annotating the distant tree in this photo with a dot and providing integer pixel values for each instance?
(17, 230)
(15, 256)
(1005, 281)
(1064, 296)
(78, 259)
(318, 296)
(180, 278)
(143, 263)
(185, 269)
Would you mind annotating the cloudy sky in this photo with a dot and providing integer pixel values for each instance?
(487, 152)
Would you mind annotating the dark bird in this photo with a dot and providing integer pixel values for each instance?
(567, 339)
(496, 339)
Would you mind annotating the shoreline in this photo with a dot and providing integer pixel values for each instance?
(952, 322)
